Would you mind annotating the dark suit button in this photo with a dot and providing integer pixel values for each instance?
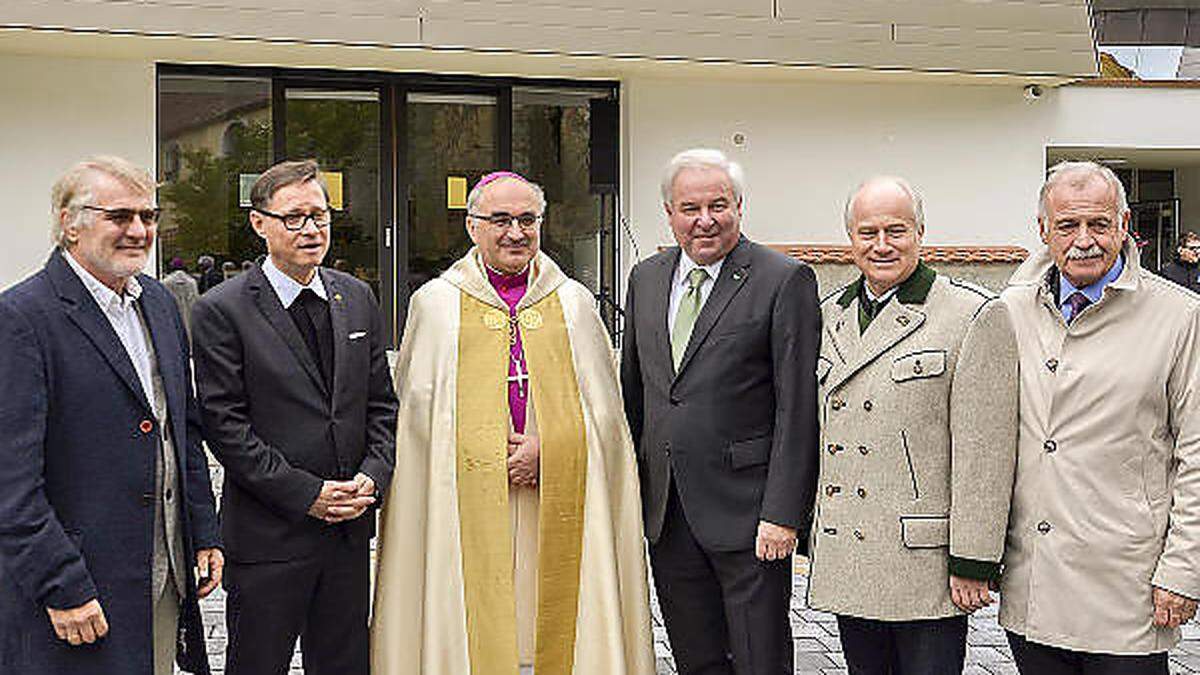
(675, 400)
(859, 535)
(1052, 364)
(831, 531)
(1043, 527)
(863, 449)
(862, 492)
(147, 499)
(832, 490)
(1050, 446)
(146, 426)
(667, 447)
(867, 405)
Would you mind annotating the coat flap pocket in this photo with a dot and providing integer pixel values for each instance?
(929, 363)
(750, 452)
(824, 365)
(925, 531)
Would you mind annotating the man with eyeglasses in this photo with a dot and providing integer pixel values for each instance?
(511, 538)
(1101, 563)
(108, 530)
(1185, 271)
(298, 406)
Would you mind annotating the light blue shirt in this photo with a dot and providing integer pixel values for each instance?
(287, 288)
(1093, 291)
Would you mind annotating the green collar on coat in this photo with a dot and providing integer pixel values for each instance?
(913, 290)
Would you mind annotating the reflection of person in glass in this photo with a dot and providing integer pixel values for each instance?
(512, 532)
(184, 289)
(297, 402)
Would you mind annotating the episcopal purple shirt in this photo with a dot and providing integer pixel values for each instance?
(511, 288)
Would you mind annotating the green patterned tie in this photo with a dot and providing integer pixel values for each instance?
(685, 316)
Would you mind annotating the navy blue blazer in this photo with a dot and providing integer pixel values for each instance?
(77, 457)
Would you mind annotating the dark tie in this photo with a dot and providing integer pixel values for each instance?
(1077, 301)
(311, 315)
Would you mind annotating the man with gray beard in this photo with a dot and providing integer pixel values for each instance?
(1101, 559)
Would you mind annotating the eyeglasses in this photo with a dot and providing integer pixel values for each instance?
(294, 222)
(1194, 248)
(528, 222)
(124, 217)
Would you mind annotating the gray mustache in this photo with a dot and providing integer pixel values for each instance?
(1090, 252)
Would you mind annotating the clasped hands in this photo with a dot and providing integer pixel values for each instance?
(524, 455)
(342, 500)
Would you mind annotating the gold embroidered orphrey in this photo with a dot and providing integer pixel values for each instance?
(483, 485)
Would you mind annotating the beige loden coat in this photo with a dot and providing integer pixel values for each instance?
(918, 438)
(1107, 498)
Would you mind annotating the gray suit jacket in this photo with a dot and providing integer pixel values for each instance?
(736, 427)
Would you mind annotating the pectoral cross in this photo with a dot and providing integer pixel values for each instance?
(521, 377)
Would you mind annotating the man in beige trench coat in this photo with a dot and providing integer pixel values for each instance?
(1102, 562)
(918, 392)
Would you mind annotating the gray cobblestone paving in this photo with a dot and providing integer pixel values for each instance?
(818, 651)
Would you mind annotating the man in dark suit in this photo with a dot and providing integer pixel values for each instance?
(298, 406)
(718, 373)
(1185, 271)
(105, 502)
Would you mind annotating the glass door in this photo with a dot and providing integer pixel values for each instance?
(342, 128)
(451, 140)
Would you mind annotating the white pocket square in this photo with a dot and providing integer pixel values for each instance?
(358, 335)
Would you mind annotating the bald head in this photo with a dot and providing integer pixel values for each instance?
(885, 221)
(892, 193)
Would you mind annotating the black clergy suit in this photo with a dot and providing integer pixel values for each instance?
(728, 440)
(282, 421)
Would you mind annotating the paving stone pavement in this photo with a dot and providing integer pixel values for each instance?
(818, 651)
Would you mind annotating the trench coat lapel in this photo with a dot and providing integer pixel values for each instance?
(895, 322)
(268, 303)
(734, 272)
(82, 310)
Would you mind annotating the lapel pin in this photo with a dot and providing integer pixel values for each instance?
(739, 274)
(902, 320)
(337, 297)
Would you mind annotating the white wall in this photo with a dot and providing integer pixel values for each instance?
(974, 151)
(54, 112)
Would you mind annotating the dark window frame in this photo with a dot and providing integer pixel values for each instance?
(393, 88)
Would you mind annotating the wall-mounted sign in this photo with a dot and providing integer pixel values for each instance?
(333, 183)
(456, 192)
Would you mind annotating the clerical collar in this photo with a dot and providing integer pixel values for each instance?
(1094, 290)
(502, 281)
(288, 289)
(912, 291)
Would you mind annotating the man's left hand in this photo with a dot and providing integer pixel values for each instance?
(210, 567)
(969, 594)
(1172, 610)
(774, 542)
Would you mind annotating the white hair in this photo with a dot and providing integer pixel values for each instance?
(73, 189)
(703, 158)
(476, 193)
(1078, 174)
(918, 204)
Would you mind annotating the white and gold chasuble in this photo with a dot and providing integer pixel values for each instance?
(476, 577)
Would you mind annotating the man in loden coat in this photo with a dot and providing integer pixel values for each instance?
(1101, 562)
(918, 376)
(105, 502)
